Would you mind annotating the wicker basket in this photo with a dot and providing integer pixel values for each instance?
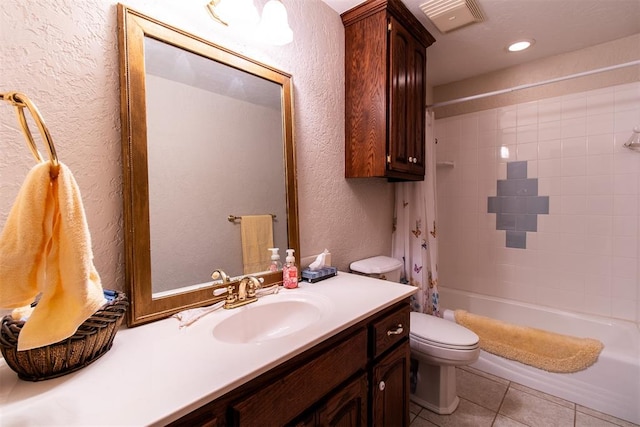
(92, 339)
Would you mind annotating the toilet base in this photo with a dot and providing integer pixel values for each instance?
(436, 388)
(434, 408)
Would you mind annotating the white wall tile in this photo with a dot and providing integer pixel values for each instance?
(625, 225)
(600, 164)
(574, 127)
(507, 117)
(573, 185)
(551, 130)
(585, 254)
(526, 134)
(550, 149)
(573, 166)
(599, 184)
(572, 147)
(549, 110)
(625, 184)
(574, 106)
(527, 114)
(599, 204)
(625, 205)
(527, 151)
(600, 124)
(600, 101)
(599, 225)
(625, 120)
(600, 143)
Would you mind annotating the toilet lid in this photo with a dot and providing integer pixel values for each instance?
(440, 332)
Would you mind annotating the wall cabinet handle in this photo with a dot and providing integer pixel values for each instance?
(397, 331)
(381, 385)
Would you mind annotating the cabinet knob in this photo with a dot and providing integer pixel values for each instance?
(415, 160)
(381, 385)
(397, 331)
(410, 159)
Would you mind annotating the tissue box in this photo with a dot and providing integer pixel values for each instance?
(317, 275)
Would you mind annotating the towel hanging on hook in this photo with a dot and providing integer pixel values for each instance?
(20, 102)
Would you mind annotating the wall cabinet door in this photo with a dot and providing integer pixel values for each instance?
(385, 97)
(406, 101)
(390, 389)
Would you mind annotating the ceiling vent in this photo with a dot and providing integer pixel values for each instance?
(449, 15)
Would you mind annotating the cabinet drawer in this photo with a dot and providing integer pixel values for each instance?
(390, 329)
(291, 395)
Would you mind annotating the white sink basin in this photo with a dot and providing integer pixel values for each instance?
(268, 320)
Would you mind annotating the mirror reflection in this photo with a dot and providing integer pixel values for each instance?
(214, 149)
(207, 135)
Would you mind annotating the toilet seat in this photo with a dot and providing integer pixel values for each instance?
(437, 332)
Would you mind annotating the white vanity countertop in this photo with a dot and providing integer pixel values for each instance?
(156, 373)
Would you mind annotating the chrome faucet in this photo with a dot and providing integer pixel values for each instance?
(238, 292)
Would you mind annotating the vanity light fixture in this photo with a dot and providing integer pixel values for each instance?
(272, 28)
(236, 13)
(520, 45)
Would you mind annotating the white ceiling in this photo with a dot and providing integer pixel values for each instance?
(557, 26)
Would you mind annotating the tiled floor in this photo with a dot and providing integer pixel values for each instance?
(489, 401)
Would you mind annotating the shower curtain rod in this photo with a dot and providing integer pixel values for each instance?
(530, 85)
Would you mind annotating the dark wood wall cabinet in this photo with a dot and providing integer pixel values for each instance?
(385, 83)
(359, 377)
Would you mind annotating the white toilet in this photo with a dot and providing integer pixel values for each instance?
(437, 345)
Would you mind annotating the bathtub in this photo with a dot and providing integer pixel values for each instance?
(611, 385)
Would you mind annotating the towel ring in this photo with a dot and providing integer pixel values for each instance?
(20, 102)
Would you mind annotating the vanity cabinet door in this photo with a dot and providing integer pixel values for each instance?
(348, 407)
(390, 389)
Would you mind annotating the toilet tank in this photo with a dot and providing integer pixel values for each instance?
(380, 267)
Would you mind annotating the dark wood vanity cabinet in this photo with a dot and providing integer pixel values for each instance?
(359, 377)
(385, 91)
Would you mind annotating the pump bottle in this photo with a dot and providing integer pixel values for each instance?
(290, 271)
(275, 265)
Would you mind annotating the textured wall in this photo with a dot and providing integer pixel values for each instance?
(63, 54)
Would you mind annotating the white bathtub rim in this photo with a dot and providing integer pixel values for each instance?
(622, 348)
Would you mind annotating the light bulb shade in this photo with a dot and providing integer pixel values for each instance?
(237, 13)
(274, 26)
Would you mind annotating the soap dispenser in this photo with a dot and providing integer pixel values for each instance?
(290, 271)
(275, 265)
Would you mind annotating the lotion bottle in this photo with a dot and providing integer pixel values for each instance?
(290, 271)
(275, 265)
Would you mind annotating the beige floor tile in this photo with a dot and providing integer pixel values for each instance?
(484, 374)
(421, 422)
(480, 389)
(543, 395)
(502, 421)
(535, 411)
(606, 417)
(414, 408)
(584, 420)
(468, 414)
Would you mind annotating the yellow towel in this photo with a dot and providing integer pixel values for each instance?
(257, 238)
(45, 248)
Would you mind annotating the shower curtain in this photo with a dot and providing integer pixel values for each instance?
(415, 231)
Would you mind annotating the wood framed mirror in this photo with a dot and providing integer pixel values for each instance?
(206, 134)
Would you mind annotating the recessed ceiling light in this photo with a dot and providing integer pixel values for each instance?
(520, 45)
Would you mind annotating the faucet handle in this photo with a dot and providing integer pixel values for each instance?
(220, 275)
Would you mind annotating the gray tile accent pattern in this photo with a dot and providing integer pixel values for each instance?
(517, 205)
